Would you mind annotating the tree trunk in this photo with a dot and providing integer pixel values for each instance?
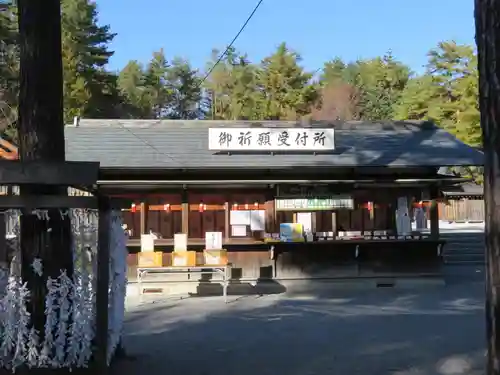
(41, 137)
(487, 14)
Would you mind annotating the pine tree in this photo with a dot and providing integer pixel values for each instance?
(157, 92)
(286, 89)
(378, 83)
(90, 90)
(183, 85)
(132, 87)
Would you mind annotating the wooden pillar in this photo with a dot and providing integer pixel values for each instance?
(434, 213)
(334, 223)
(270, 211)
(227, 223)
(185, 212)
(144, 218)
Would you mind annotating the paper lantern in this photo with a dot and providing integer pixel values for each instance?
(133, 208)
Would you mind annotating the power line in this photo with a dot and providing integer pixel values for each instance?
(231, 44)
(150, 145)
(203, 80)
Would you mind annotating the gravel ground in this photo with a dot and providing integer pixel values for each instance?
(431, 330)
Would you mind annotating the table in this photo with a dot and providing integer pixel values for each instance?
(223, 270)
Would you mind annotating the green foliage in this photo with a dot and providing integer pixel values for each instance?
(447, 94)
(184, 88)
(379, 82)
(276, 88)
(88, 87)
(9, 69)
(287, 91)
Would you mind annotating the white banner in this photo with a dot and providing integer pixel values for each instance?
(271, 139)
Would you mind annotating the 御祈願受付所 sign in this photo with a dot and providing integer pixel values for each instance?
(271, 139)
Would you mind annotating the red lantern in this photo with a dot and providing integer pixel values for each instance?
(202, 207)
(133, 208)
(166, 207)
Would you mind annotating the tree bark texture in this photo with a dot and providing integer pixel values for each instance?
(41, 137)
(487, 14)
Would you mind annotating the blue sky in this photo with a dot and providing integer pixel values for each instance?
(318, 29)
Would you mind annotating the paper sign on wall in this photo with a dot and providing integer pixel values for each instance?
(213, 240)
(147, 242)
(305, 218)
(239, 217)
(238, 230)
(180, 242)
(258, 220)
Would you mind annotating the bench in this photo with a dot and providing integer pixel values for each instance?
(223, 270)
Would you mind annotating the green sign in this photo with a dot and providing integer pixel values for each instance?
(314, 204)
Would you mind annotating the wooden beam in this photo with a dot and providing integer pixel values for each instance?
(14, 172)
(46, 201)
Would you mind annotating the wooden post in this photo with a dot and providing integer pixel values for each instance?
(227, 221)
(101, 338)
(334, 224)
(434, 214)
(144, 218)
(185, 213)
(488, 47)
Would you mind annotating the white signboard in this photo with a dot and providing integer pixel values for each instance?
(213, 240)
(147, 242)
(180, 242)
(271, 139)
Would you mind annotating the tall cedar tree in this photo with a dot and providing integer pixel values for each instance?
(487, 14)
(185, 91)
(89, 90)
(41, 138)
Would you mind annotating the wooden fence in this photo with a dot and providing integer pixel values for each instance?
(462, 210)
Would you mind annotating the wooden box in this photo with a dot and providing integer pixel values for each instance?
(150, 259)
(215, 257)
(184, 258)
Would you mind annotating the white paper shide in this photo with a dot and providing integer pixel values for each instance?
(70, 309)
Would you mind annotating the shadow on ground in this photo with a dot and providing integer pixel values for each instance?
(347, 332)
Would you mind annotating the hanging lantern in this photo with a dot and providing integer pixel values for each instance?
(202, 207)
(246, 206)
(235, 206)
(166, 207)
(133, 209)
(256, 204)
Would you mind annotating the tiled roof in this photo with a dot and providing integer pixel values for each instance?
(184, 144)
